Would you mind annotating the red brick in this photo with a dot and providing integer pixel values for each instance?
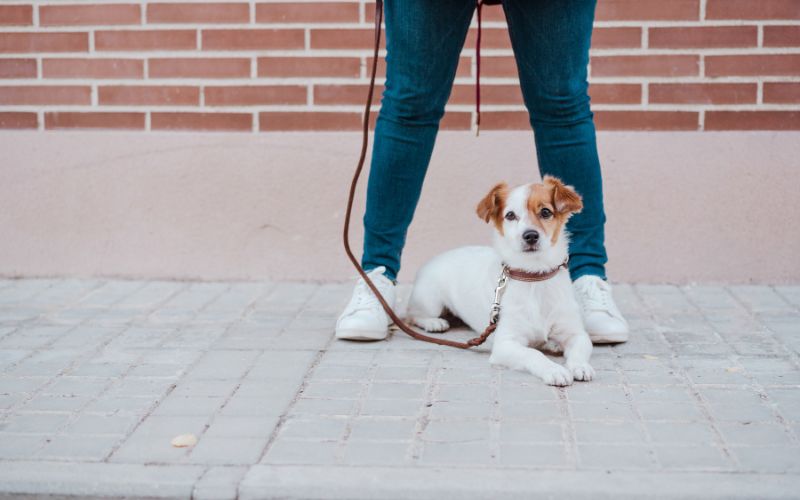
(702, 93)
(344, 38)
(17, 68)
(490, 94)
(753, 120)
(615, 93)
(145, 40)
(753, 65)
(45, 94)
(704, 37)
(616, 38)
(247, 95)
(253, 39)
(44, 42)
(14, 119)
(293, 12)
(177, 13)
(656, 65)
(646, 120)
(16, 15)
(781, 36)
(92, 68)
(491, 38)
(346, 67)
(89, 15)
(505, 120)
(199, 68)
(345, 94)
(93, 120)
(782, 92)
(502, 66)
(202, 121)
(647, 10)
(129, 95)
(309, 120)
(493, 13)
(455, 120)
(753, 9)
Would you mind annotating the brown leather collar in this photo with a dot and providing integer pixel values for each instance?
(521, 275)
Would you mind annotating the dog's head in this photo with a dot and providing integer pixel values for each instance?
(530, 221)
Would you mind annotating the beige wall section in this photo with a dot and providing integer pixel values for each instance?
(682, 207)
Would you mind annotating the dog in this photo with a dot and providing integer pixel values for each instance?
(529, 235)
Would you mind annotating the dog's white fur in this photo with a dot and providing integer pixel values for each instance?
(533, 314)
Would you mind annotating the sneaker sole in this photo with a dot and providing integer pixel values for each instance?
(614, 338)
(364, 335)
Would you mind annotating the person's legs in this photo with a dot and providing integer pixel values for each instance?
(551, 40)
(423, 41)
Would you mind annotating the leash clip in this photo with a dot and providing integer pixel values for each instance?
(494, 314)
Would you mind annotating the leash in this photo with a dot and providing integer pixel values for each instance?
(506, 272)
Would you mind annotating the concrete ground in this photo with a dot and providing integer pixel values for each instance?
(97, 377)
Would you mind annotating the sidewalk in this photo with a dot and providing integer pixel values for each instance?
(96, 378)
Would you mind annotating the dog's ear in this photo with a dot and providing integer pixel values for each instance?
(492, 204)
(566, 200)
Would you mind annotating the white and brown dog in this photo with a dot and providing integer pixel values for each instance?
(529, 236)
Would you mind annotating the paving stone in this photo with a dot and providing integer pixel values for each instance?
(515, 432)
(79, 448)
(617, 456)
(36, 423)
(219, 483)
(545, 456)
(692, 458)
(313, 428)
(118, 425)
(285, 451)
(680, 432)
(227, 450)
(189, 405)
(456, 453)
(241, 427)
(97, 377)
(371, 454)
(459, 409)
(391, 407)
(20, 446)
(613, 433)
(775, 459)
(379, 429)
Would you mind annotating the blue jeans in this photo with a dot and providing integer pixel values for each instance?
(424, 38)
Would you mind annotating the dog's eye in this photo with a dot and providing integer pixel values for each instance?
(546, 213)
(511, 216)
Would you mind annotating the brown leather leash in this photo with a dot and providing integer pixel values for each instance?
(507, 272)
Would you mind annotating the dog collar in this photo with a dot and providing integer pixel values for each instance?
(528, 276)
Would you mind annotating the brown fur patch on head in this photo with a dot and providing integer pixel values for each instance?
(490, 208)
(566, 200)
(561, 200)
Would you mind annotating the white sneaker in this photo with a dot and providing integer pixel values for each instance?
(364, 317)
(601, 317)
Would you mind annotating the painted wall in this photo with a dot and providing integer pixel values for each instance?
(682, 207)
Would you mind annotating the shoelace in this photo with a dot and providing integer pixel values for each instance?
(365, 299)
(596, 297)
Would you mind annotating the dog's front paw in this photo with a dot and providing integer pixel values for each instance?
(582, 371)
(432, 324)
(557, 375)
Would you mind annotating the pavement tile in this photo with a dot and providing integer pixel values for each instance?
(98, 376)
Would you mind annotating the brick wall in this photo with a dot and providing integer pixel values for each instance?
(265, 65)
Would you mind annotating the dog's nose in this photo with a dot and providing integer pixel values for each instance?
(531, 236)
